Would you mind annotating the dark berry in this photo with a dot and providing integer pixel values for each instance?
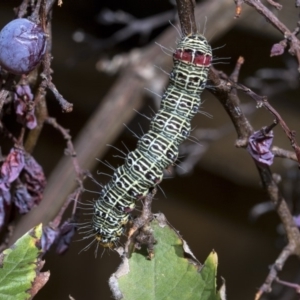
(22, 46)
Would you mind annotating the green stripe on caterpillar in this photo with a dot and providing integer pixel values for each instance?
(157, 149)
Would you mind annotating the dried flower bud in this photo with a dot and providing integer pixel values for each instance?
(24, 106)
(34, 180)
(48, 238)
(66, 233)
(11, 167)
(259, 147)
(277, 49)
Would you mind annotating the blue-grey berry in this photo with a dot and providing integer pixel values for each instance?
(22, 46)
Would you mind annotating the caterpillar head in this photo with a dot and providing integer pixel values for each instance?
(194, 49)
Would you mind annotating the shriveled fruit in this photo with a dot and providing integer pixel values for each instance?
(22, 46)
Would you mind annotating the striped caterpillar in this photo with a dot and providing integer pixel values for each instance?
(157, 149)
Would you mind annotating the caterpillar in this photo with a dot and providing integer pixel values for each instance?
(157, 149)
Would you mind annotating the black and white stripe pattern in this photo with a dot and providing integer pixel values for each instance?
(157, 149)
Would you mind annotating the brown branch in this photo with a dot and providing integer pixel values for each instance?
(270, 17)
(263, 101)
(47, 83)
(228, 98)
(278, 152)
(275, 4)
(223, 91)
(49, 5)
(54, 224)
(281, 206)
(70, 151)
(41, 113)
(140, 232)
(275, 268)
(292, 231)
(295, 286)
(21, 11)
(186, 16)
(289, 36)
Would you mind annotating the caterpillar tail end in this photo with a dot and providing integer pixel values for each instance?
(99, 239)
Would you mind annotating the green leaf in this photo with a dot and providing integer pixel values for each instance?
(20, 265)
(174, 273)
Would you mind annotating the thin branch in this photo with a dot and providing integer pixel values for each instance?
(41, 115)
(47, 83)
(140, 232)
(186, 16)
(263, 101)
(278, 152)
(275, 268)
(271, 18)
(72, 197)
(70, 148)
(295, 286)
(275, 4)
(224, 92)
(289, 36)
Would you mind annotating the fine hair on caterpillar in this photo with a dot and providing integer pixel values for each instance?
(158, 148)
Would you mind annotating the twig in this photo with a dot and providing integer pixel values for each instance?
(41, 115)
(263, 10)
(275, 4)
(263, 101)
(222, 90)
(275, 268)
(70, 148)
(47, 83)
(295, 286)
(244, 129)
(278, 152)
(140, 233)
(289, 36)
(230, 101)
(287, 220)
(50, 4)
(133, 26)
(72, 197)
(186, 16)
(21, 11)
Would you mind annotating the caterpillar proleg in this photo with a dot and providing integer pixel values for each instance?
(157, 149)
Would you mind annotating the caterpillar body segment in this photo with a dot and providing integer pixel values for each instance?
(157, 149)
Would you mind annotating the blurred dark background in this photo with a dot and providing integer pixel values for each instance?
(210, 205)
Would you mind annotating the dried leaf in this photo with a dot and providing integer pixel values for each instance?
(24, 106)
(259, 147)
(12, 167)
(66, 233)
